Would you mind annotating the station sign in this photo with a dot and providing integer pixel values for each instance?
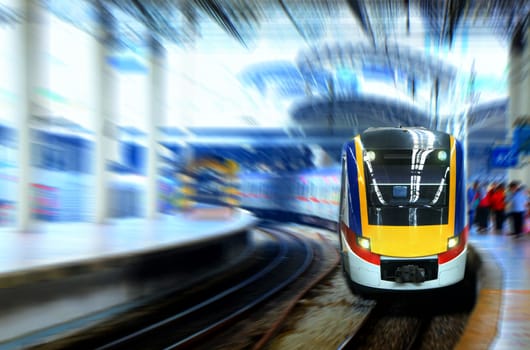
(504, 156)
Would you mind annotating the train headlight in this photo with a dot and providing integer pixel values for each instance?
(370, 156)
(442, 155)
(363, 242)
(452, 242)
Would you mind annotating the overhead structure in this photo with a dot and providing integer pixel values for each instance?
(370, 26)
(359, 113)
(181, 22)
(406, 69)
(402, 60)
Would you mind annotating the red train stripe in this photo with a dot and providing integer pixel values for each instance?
(455, 251)
(365, 254)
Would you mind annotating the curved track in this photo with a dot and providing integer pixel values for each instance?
(316, 273)
(193, 318)
(386, 326)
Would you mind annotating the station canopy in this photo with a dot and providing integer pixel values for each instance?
(322, 67)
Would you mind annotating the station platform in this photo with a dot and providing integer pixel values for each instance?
(62, 272)
(501, 317)
(57, 273)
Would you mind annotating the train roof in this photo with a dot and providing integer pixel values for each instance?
(404, 138)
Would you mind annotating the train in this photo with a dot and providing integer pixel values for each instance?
(401, 222)
(308, 197)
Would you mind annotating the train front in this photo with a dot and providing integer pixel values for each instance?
(402, 210)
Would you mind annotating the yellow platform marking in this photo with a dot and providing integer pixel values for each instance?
(490, 327)
(482, 325)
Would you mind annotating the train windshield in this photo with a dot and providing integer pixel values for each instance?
(407, 187)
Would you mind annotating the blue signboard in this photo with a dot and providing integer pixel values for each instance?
(504, 156)
(521, 138)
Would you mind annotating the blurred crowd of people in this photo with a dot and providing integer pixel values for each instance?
(505, 207)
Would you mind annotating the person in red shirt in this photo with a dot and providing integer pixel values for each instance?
(484, 207)
(497, 201)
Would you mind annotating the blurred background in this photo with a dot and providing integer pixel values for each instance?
(109, 106)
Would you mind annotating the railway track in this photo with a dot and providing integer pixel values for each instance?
(315, 273)
(412, 323)
(188, 322)
(386, 327)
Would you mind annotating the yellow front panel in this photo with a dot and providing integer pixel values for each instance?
(406, 241)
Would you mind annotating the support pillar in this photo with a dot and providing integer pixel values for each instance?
(32, 73)
(519, 91)
(106, 110)
(157, 114)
